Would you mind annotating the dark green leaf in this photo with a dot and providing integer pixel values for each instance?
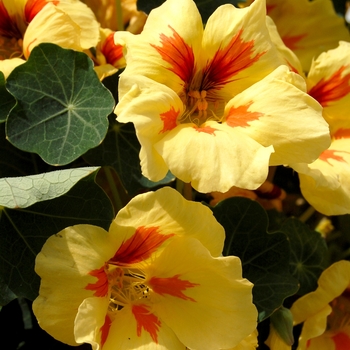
(309, 254)
(24, 231)
(62, 107)
(7, 101)
(265, 257)
(120, 149)
(205, 7)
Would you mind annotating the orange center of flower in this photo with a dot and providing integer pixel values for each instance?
(202, 85)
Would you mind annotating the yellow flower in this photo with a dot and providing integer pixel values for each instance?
(325, 183)
(27, 23)
(155, 279)
(214, 106)
(318, 27)
(326, 311)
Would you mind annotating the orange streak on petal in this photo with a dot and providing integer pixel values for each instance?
(33, 7)
(229, 61)
(172, 286)
(178, 54)
(140, 246)
(342, 134)
(169, 119)
(332, 89)
(240, 116)
(341, 341)
(112, 52)
(146, 320)
(207, 129)
(292, 41)
(330, 154)
(101, 285)
(105, 330)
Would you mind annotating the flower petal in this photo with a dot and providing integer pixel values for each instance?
(67, 264)
(214, 157)
(189, 289)
(166, 48)
(332, 283)
(167, 210)
(289, 119)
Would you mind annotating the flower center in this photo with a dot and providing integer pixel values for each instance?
(127, 286)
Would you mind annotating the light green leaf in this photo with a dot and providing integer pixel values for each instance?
(24, 231)
(62, 107)
(21, 192)
(265, 257)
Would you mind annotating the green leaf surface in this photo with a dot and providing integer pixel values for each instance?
(264, 256)
(22, 192)
(62, 107)
(205, 7)
(309, 254)
(24, 231)
(120, 150)
(6, 294)
(7, 101)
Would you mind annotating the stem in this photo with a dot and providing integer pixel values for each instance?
(306, 215)
(116, 201)
(119, 11)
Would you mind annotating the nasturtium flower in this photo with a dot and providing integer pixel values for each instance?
(155, 280)
(325, 312)
(27, 23)
(325, 183)
(191, 95)
(318, 28)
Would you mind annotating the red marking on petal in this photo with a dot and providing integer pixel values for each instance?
(140, 246)
(105, 330)
(330, 154)
(33, 7)
(240, 116)
(178, 54)
(101, 285)
(228, 62)
(269, 8)
(207, 129)
(8, 26)
(169, 119)
(332, 89)
(147, 321)
(112, 52)
(292, 41)
(341, 341)
(172, 286)
(342, 134)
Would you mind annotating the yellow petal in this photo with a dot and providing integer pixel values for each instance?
(167, 210)
(275, 342)
(214, 157)
(280, 114)
(201, 298)
(7, 66)
(332, 283)
(65, 265)
(325, 182)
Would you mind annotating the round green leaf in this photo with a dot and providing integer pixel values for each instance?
(264, 256)
(7, 101)
(62, 107)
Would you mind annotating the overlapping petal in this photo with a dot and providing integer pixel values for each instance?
(188, 287)
(313, 309)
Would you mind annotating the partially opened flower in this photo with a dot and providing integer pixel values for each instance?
(325, 312)
(155, 280)
(191, 95)
(308, 38)
(325, 183)
(27, 23)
